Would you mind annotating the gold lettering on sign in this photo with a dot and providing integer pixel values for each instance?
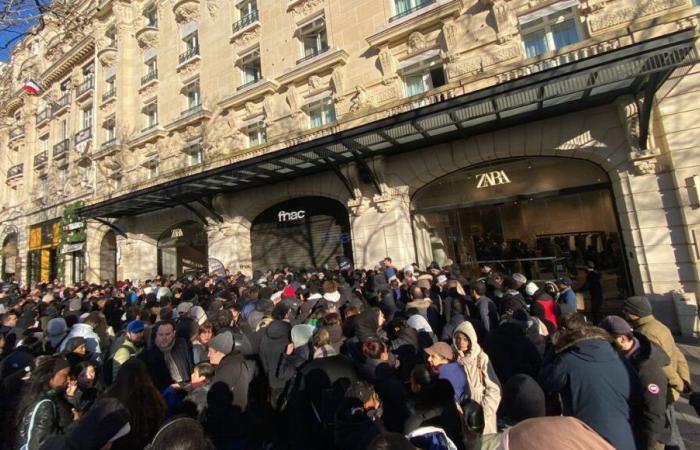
(494, 178)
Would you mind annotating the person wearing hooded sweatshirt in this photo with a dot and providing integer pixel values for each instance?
(648, 360)
(485, 388)
(593, 382)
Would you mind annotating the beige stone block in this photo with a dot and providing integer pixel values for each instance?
(682, 102)
(681, 140)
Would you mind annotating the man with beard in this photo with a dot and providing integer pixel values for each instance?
(131, 347)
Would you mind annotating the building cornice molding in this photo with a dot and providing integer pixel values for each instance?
(68, 61)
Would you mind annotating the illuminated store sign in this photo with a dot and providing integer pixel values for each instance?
(493, 178)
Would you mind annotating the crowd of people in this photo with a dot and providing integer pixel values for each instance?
(327, 359)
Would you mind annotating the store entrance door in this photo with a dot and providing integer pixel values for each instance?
(182, 248)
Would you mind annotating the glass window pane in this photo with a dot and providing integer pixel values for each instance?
(402, 6)
(316, 117)
(329, 113)
(535, 44)
(564, 33)
(414, 85)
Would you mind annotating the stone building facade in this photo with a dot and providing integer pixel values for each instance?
(534, 135)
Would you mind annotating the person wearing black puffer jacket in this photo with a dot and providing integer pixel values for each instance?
(648, 360)
(43, 412)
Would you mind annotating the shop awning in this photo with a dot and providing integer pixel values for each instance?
(636, 69)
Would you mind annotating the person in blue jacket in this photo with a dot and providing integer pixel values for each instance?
(595, 385)
(567, 296)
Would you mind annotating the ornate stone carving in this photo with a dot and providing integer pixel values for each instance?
(449, 34)
(147, 38)
(292, 99)
(360, 100)
(222, 135)
(250, 108)
(337, 79)
(305, 7)
(384, 202)
(591, 6)
(186, 11)
(471, 66)
(416, 42)
(358, 205)
(107, 57)
(628, 112)
(189, 69)
(387, 62)
(504, 19)
(647, 166)
(244, 40)
(314, 82)
(269, 107)
(212, 7)
(616, 16)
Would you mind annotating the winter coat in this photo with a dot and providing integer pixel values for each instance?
(557, 432)
(594, 383)
(486, 314)
(50, 419)
(127, 350)
(427, 309)
(650, 420)
(354, 429)
(198, 397)
(158, 369)
(483, 383)
(237, 373)
(567, 297)
(549, 307)
(391, 392)
(455, 374)
(273, 343)
(435, 406)
(511, 352)
(450, 326)
(677, 372)
(92, 340)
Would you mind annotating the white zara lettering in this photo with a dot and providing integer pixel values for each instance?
(287, 216)
(176, 233)
(494, 178)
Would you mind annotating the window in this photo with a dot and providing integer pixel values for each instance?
(151, 114)
(152, 169)
(423, 77)
(151, 15)
(257, 134)
(192, 43)
(549, 33)
(44, 186)
(87, 118)
(110, 131)
(65, 85)
(247, 7)
(44, 143)
(194, 154)
(62, 175)
(314, 39)
(117, 183)
(88, 71)
(192, 93)
(321, 113)
(111, 37)
(403, 7)
(251, 71)
(151, 66)
(64, 129)
(696, 2)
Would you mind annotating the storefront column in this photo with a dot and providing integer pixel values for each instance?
(229, 242)
(138, 257)
(381, 227)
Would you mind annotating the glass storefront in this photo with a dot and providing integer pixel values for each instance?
(44, 240)
(182, 249)
(307, 232)
(544, 217)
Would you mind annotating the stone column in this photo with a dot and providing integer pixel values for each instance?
(137, 257)
(229, 242)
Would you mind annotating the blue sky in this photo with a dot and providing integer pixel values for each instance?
(18, 10)
(5, 37)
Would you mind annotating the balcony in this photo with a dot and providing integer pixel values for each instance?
(190, 116)
(17, 132)
(43, 116)
(421, 4)
(313, 53)
(150, 76)
(109, 143)
(107, 148)
(83, 135)
(85, 87)
(248, 84)
(189, 54)
(41, 159)
(61, 149)
(246, 20)
(15, 171)
(110, 94)
(191, 110)
(313, 64)
(61, 104)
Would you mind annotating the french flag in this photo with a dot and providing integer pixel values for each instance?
(31, 87)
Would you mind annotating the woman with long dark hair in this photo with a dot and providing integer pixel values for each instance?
(42, 410)
(135, 390)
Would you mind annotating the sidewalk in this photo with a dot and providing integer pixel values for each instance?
(689, 422)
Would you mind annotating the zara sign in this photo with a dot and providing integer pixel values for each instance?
(493, 178)
(288, 216)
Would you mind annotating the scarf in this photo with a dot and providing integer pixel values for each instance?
(325, 351)
(170, 362)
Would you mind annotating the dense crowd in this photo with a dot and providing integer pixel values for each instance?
(330, 359)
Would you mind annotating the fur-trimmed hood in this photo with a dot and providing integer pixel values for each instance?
(419, 304)
(571, 339)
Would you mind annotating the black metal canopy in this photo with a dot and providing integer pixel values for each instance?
(636, 69)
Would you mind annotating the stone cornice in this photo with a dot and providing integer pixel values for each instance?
(417, 20)
(327, 59)
(249, 93)
(68, 61)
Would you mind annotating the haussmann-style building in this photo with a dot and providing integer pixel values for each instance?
(532, 135)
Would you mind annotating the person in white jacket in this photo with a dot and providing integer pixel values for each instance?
(86, 330)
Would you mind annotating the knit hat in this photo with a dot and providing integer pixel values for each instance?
(531, 288)
(522, 398)
(616, 325)
(135, 326)
(73, 343)
(56, 328)
(639, 306)
(441, 349)
(184, 308)
(520, 278)
(301, 334)
(222, 342)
